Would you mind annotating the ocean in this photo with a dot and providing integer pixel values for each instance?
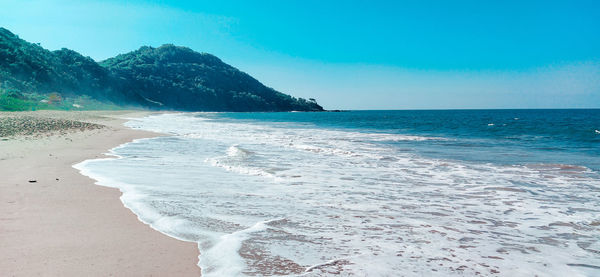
(370, 193)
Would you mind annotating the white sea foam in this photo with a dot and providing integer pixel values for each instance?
(222, 258)
(352, 204)
(237, 160)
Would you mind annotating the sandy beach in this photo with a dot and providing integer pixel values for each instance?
(56, 222)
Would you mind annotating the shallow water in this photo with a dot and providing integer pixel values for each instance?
(369, 193)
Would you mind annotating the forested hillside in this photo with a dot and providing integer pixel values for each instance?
(167, 77)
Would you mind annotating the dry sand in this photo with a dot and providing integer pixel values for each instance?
(63, 224)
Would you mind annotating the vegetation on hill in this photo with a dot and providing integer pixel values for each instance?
(180, 78)
(167, 77)
(29, 68)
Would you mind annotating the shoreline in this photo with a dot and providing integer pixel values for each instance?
(58, 222)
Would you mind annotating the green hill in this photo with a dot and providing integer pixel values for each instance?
(167, 77)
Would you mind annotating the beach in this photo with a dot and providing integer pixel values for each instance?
(361, 193)
(57, 222)
(369, 193)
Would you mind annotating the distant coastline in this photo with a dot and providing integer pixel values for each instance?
(165, 78)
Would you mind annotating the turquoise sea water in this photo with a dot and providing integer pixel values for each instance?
(496, 136)
(370, 193)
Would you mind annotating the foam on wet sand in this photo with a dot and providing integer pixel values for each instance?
(64, 225)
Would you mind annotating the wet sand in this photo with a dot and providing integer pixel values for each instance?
(56, 222)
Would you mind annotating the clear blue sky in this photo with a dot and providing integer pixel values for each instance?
(355, 54)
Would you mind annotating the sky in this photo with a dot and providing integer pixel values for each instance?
(354, 54)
